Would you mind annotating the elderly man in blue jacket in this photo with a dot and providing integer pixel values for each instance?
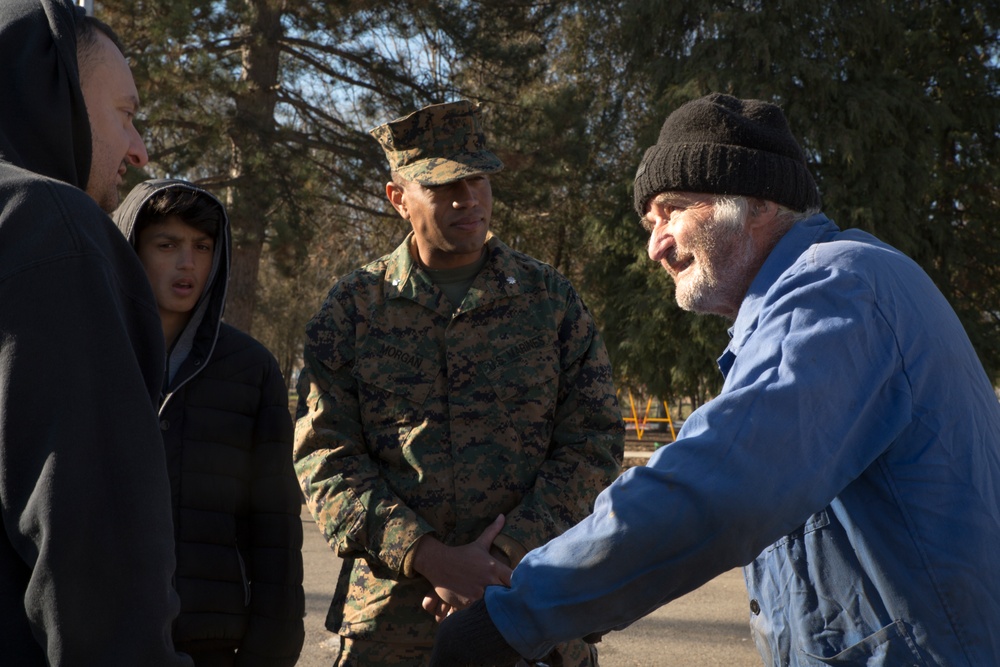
(851, 463)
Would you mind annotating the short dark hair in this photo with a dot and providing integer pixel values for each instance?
(193, 208)
(87, 31)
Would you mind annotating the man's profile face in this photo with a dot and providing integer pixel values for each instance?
(112, 102)
(449, 221)
(709, 254)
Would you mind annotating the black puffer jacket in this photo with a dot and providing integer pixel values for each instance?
(228, 438)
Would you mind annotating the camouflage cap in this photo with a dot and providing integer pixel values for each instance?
(438, 144)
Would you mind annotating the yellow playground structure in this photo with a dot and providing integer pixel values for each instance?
(642, 423)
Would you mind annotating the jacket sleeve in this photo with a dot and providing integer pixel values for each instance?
(588, 437)
(275, 632)
(354, 508)
(85, 502)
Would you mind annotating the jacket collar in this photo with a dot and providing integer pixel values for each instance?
(792, 245)
(500, 278)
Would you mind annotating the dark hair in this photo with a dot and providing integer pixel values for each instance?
(193, 208)
(87, 31)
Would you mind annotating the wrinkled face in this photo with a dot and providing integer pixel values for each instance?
(112, 102)
(708, 251)
(449, 221)
(178, 261)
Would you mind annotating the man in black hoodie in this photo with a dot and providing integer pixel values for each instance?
(86, 553)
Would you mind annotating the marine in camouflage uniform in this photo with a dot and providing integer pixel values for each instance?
(421, 417)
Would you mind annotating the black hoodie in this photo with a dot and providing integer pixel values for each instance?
(86, 555)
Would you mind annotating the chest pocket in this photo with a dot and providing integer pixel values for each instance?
(517, 377)
(527, 386)
(394, 382)
(812, 595)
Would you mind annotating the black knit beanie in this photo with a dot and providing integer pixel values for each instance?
(722, 145)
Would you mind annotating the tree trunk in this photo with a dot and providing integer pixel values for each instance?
(252, 134)
(241, 299)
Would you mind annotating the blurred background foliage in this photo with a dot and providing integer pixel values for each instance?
(268, 104)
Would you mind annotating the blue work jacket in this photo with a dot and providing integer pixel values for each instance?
(851, 463)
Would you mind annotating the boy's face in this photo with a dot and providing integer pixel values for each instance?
(178, 261)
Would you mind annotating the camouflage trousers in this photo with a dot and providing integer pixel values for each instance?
(366, 653)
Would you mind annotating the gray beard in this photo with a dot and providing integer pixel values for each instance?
(723, 272)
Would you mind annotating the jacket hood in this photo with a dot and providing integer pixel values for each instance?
(44, 126)
(195, 344)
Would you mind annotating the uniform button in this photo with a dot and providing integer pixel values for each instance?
(754, 607)
(164, 425)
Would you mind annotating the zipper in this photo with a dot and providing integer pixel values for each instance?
(243, 576)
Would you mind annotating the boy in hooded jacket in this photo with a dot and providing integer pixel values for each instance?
(227, 433)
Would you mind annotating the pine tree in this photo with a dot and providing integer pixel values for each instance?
(897, 107)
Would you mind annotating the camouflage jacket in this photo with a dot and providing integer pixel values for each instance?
(416, 417)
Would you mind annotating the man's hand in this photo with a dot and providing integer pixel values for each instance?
(438, 608)
(459, 575)
(434, 605)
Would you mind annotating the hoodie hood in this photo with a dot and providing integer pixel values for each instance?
(195, 344)
(44, 127)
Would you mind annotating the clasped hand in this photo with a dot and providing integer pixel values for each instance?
(459, 575)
